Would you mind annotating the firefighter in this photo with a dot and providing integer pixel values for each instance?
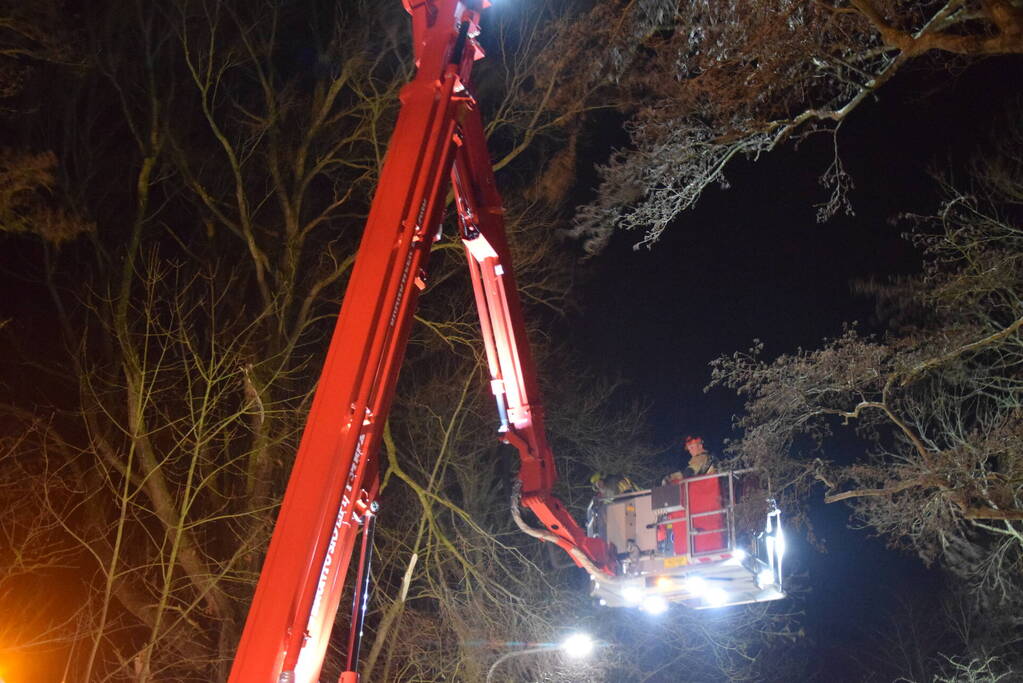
(700, 460)
(672, 529)
(607, 486)
(704, 499)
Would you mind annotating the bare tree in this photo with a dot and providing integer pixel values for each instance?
(976, 670)
(912, 640)
(33, 35)
(713, 82)
(936, 401)
(189, 314)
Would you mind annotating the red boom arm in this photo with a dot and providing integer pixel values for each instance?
(504, 334)
(334, 479)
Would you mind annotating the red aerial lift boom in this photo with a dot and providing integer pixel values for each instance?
(438, 144)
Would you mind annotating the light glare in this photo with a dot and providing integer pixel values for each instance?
(765, 577)
(632, 595)
(737, 558)
(655, 605)
(716, 597)
(696, 584)
(577, 645)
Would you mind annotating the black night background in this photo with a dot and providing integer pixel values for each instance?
(183, 188)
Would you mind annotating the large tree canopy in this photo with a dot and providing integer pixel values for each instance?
(182, 206)
(710, 82)
(937, 400)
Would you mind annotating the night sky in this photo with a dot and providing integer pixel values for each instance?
(752, 262)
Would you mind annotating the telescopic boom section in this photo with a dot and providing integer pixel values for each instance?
(513, 374)
(334, 480)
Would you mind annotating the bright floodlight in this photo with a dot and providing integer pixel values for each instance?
(737, 558)
(632, 595)
(577, 645)
(696, 585)
(654, 605)
(715, 597)
(765, 577)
